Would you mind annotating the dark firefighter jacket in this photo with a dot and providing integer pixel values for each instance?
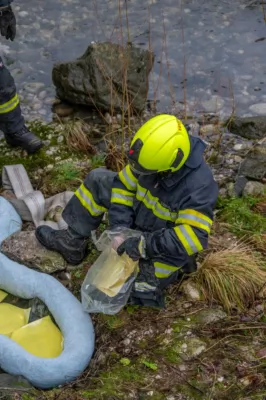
(177, 210)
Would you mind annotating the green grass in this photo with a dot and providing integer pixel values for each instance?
(237, 212)
(98, 160)
(66, 172)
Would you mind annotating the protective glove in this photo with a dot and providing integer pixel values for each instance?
(134, 247)
(146, 290)
(7, 23)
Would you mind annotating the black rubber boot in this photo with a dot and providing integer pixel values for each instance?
(25, 139)
(68, 243)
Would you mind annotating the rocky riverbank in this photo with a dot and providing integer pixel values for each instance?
(193, 349)
(238, 161)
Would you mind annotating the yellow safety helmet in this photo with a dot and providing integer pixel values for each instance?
(161, 144)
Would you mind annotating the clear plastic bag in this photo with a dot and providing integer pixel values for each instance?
(113, 238)
(108, 283)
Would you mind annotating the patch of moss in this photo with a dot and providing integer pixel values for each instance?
(237, 212)
(131, 309)
(171, 355)
(64, 176)
(195, 390)
(142, 344)
(169, 346)
(117, 382)
(113, 321)
(26, 396)
(31, 163)
(40, 129)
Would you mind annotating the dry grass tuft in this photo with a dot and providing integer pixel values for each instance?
(76, 134)
(115, 159)
(260, 207)
(231, 277)
(258, 242)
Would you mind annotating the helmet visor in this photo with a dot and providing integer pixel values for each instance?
(138, 169)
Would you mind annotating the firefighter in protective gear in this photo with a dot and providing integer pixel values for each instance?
(12, 123)
(166, 191)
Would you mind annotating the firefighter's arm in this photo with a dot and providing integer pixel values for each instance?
(190, 233)
(124, 188)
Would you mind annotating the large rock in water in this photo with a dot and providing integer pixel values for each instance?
(24, 248)
(104, 76)
(250, 127)
(254, 165)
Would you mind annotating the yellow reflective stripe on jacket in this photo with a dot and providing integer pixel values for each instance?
(9, 105)
(153, 204)
(128, 179)
(121, 196)
(164, 270)
(194, 218)
(86, 199)
(188, 238)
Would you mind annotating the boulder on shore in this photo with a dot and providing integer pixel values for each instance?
(253, 128)
(254, 165)
(107, 76)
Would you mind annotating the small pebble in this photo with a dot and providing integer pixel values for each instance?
(184, 347)
(42, 111)
(108, 118)
(36, 106)
(60, 139)
(42, 94)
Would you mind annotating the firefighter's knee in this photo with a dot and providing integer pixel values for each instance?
(99, 176)
(99, 184)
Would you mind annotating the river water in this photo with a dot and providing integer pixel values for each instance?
(209, 55)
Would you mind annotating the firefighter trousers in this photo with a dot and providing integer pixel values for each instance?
(11, 119)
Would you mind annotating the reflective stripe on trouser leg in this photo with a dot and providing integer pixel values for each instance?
(163, 270)
(188, 268)
(85, 210)
(11, 120)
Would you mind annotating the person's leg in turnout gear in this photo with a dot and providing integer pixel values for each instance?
(12, 123)
(83, 214)
(146, 290)
(11, 120)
